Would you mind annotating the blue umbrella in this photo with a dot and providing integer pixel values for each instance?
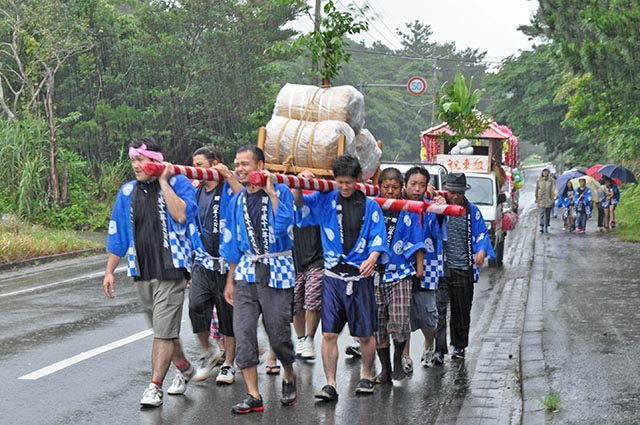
(565, 177)
(618, 172)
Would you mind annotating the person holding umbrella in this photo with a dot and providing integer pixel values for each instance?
(582, 200)
(609, 201)
(546, 195)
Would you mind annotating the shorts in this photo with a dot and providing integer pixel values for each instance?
(207, 291)
(424, 311)
(358, 309)
(393, 300)
(308, 290)
(162, 301)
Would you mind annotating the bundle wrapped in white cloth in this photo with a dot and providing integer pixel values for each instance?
(311, 103)
(306, 144)
(368, 153)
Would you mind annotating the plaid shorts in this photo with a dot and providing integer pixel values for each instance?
(393, 301)
(308, 290)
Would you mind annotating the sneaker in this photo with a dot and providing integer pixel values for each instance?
(353, 350)
(308, 349)
(438, 358)
(152, 396)
(427, 356)
(248, 404)
(179, 384)
(227, 374)
(407, 364)
(541, 230)
(458, 353)
(327, 393)
(206, 364)
(289, 393)
(365, 386)
(300, 345)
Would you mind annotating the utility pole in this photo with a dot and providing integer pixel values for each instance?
(316, 29)
(435, 91)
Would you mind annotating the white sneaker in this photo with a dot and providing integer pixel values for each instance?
(407, 364)
(152, 396)
(179, 384)
(300, 345)
(206, 364)
(308, 349)
(227, 374)
(427, 356)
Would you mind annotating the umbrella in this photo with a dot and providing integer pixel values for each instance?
(565, 177)
(593, 172)
(618, 172)
(591, 183)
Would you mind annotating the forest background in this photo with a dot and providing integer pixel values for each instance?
(80, 78)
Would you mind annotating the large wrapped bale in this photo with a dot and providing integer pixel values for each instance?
(311, 103)
(306, 144)
(368, 153)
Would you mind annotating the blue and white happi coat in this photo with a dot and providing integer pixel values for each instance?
(183, 237)
(479, 237)
(433, 235)
(406, 241)
(320, 208)
(201, 256)
(614, 199)
(236, 248)
(586, 200)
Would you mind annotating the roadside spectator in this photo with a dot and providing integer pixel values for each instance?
(353, 239)
(609, 203)
(393, 281)
(546, 195)
(257, 243)
(565, 201)
(582, 202)
(150, 224)
(465, 249)
(209, 274)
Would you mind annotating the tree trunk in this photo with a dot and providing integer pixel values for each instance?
(64, 188)
(12, 117)
(53, 141)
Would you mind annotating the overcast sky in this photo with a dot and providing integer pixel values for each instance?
(488, 25)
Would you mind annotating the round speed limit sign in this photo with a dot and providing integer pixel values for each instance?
(417, 86)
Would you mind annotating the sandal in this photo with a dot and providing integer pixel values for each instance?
(273, 370)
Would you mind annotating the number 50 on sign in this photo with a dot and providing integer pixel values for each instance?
(416, 86)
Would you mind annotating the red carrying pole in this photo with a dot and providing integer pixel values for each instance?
(256, 178)
(198, 173)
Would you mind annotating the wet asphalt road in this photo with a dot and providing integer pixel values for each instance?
(591, 298)
(591, 329)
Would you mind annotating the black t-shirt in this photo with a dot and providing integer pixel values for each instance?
(154, 260)
(307, 248)
(353, 209)
(254, 204)
(210, 236)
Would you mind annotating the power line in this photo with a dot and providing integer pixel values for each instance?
(422, 58)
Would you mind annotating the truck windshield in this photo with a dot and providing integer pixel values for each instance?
(481, 192)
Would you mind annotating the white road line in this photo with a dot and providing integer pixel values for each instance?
(84, 356)
(60, 282)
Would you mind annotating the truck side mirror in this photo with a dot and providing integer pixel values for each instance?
(502, 198)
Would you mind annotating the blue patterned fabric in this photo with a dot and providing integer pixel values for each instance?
(433, 235)
(182, 237)
(320, 209)
(586, 200)
(236, 248)
(201, 256)
(479, 238)
(407, 239)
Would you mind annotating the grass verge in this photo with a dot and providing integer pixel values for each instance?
(627, 214)
(20, 241)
